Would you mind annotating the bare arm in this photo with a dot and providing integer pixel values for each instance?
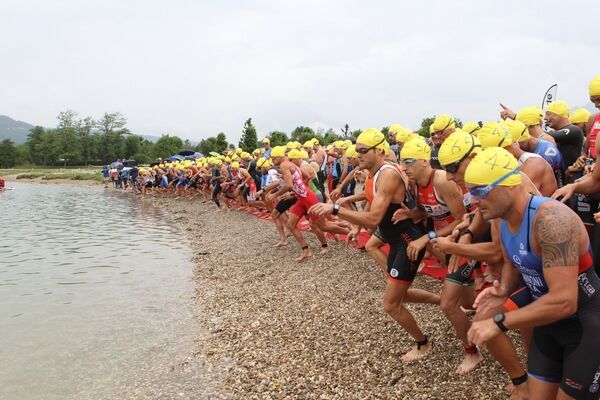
(452, 195)
(557, 231)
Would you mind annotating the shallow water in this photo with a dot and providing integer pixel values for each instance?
(95, 287)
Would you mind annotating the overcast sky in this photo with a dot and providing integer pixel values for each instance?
(194, 68)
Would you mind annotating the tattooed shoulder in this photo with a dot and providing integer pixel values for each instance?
(557, 232)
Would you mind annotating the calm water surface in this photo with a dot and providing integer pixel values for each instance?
(95, 287)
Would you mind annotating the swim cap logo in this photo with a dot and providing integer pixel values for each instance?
(394, 273)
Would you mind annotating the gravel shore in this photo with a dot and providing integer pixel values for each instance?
(276, 329)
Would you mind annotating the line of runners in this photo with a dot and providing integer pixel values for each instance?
(479, 200)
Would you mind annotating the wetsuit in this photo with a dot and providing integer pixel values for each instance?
(216, 183)
(569, 141)
(400, 269)
(435, 159)
(565, 351)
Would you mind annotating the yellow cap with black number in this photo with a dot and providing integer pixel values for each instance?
(530, 116)
(490, 165)
(372, 137)
(516, 129)
(443, 122)
(558, 107)
(278, 151)
(235, 165)
(580, 116)
(351, 151)
(493, 134)
(595, 86)
(402, 134)
(457, 146)
(294, 154)
(416, 148)
(471, 127)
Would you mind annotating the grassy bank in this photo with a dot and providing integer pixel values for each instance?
(51, 173)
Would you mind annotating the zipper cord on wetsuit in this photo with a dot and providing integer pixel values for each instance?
(528, 219)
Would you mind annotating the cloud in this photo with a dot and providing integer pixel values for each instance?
(197, 68)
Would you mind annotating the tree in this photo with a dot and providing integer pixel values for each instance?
(66, 144)
(221, 143)
(278, 138)
(111, 122)
(329, 137)
(166, 146)
(346, 130)
(8, 154)
(248, 141)
(355, 133)
(84, 133)
(207, 145)
(302, 134)
(425, 124)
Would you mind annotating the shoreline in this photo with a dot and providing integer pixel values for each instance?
(280, 329)
(12, 181)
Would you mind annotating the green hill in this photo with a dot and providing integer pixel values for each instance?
(15, 130)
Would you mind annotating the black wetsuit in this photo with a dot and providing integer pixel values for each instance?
(569, 141)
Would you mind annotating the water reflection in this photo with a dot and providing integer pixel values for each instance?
(86, 293)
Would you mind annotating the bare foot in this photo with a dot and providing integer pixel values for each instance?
(281, 243)
(324, 250)
(305, 254)
(469, 363)
(468, 311)
(415, 353)
(518, 392)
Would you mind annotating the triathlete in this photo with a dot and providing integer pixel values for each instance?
(494, 134)
(568, 137)
(442, 126)
(445, 203)
(545, 245)
(389, 189)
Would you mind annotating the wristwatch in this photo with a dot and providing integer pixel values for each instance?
(499, 320)
(336, 209)
(432, 235)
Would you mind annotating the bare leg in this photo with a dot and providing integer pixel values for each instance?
(292, 221)
(393, 298)
(452, 295)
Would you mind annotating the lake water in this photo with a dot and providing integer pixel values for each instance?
(95, 291)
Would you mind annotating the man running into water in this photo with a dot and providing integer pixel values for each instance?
(546, 246)
(390, 190)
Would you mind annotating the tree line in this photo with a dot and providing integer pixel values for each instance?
(87, 141)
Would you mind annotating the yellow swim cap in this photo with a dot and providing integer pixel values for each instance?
(395, 128)
(294, 154)
(493, 134)
(471, 127)
(516, 129)
(303, 154)
(263, 163)
(443, 122)
(256, 152)
(458, 146)
(308, 143)
(278, 151)
(292, 145)
(351, 151)
(238, 151)
(266, 140)
(373, 138)
(431, 130)
(490, 165)
(558, 107)
(245, 156)
(579, 116)
(315, 140)
(530, 116)
(235, 157)
(595, 86)
(340, 144)
(416, 148)
(227, 160)
(235, 165)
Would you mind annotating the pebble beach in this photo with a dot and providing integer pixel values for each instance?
(272, 328)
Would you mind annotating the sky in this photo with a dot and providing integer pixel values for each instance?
(196, 68)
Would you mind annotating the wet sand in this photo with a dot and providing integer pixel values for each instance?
(277, 329)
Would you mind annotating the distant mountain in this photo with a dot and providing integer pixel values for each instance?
(12, 129)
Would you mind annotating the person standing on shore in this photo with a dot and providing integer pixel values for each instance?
(390, 189)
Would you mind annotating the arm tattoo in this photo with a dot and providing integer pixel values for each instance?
(557, 231)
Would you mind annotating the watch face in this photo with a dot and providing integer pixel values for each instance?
(432, 235)
(498, 317)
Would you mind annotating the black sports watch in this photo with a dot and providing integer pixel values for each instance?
(336, 209)
(499, 320)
